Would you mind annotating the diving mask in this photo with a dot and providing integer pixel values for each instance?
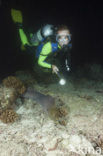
(63, 38)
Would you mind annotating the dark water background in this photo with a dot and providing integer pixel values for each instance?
(85, 21)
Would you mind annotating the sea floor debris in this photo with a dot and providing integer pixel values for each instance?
(39, 133)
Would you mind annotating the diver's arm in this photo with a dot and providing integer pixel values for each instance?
(42, 63)
(47, 65)
(46, 50)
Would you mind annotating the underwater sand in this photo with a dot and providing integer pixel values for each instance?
(36, 134)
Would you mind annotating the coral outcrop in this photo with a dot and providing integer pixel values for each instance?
(13, 82)
(59, 112)
(10, 90)
(8, 116)
(7, 97)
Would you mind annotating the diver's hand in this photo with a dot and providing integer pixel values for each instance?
(55, 69)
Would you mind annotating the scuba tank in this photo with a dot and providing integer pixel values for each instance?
(42, 34)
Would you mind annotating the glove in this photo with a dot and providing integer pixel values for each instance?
(55, 69)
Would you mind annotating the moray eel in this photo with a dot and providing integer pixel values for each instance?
(46, 101)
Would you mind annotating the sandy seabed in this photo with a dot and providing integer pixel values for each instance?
(36, 134)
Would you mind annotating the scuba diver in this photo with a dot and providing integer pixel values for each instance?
(53, 46)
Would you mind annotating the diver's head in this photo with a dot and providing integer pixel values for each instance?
(63, 36)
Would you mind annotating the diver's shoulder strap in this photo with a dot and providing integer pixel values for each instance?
(54, 47)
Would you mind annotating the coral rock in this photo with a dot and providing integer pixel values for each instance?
(8, 116)
(7, 97)
(59, 114)
(13, 82)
